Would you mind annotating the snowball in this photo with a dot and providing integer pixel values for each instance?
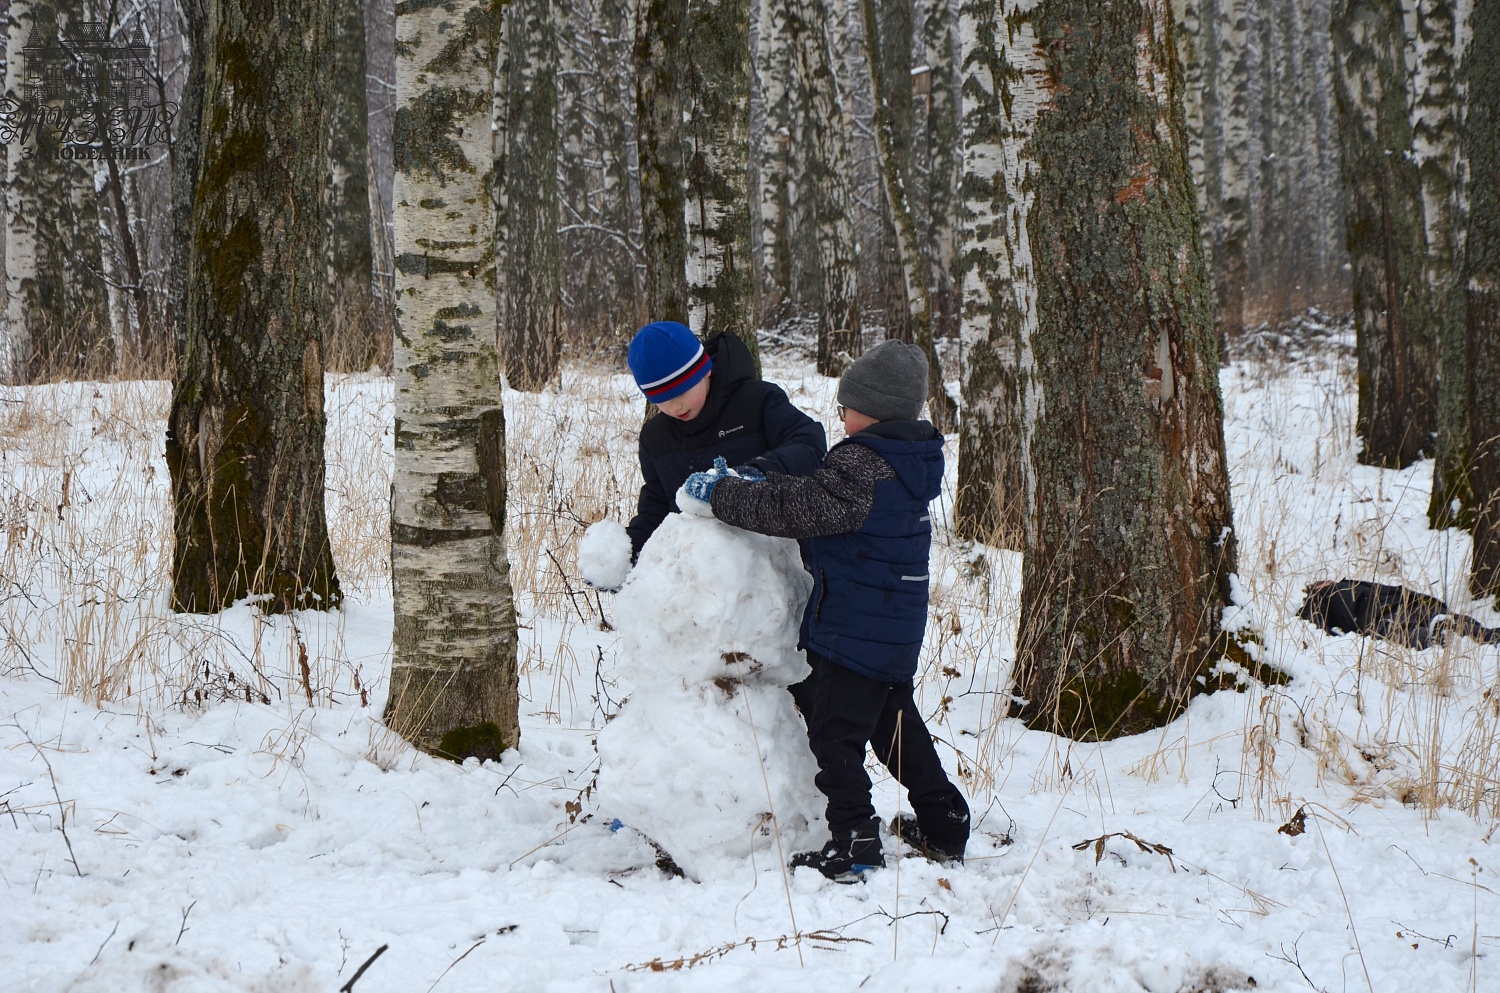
(691, 505)
(709, 745)
(604, 555)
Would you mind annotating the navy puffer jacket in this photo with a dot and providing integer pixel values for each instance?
(868, 608)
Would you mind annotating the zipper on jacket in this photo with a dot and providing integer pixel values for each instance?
(822, 595)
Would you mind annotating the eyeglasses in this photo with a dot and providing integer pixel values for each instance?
(839, 409)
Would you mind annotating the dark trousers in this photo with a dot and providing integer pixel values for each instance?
(846, 711)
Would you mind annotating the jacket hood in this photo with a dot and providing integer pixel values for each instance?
(914, 450)
(732, 366)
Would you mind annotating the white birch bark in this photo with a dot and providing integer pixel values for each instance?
(20, 211)
(808, 255)
(773, 161)
(820, 149)
(1001, 399)
(1231, 233)
(720, 264)
(1189, 45)
(1435, 125)
(1436, 114)
(894, 150)
(455, 629)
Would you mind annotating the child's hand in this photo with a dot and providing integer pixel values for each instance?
(699, 488)
(696, 496)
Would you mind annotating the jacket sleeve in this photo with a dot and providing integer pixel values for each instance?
(834, 500)
(651, 508)
(797, 442)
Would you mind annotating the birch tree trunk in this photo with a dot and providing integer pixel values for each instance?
(246, 428)
(720, 262)
(1397, 348)
(661, 36)
(1197, 80)
(892, 93)
(944, 166)
(808, 243)
(531, 327)
(380, 100)
(1001, 66)
(59, 298)
(349, 252)
(1481, 283)
(184, 151)
(1129, 534)
(1229, 185)
(775, 86)
(453, 678)
(1435, 123)
(598, 242)
(20, 211)
(826, 180)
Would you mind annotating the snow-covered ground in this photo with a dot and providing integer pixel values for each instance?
(185, 807)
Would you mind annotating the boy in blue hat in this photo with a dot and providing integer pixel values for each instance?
(715, 406)
(866, 533)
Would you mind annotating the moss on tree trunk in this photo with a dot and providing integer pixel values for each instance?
(661, 33)
(246, 429)
(721, 282)
(532, 314)
(1481, 142)
(1397, 341)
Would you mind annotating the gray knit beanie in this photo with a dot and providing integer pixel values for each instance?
(888, 383)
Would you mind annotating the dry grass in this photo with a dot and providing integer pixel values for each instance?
(85, 538)
(1382, 721)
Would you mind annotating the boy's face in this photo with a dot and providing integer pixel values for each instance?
(688, 405)
(855, 422)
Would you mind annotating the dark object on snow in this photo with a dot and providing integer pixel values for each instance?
(1395, 613)
(943, 851)
(482, 741)
(848, 855)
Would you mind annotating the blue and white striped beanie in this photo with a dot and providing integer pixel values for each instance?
(667, 360)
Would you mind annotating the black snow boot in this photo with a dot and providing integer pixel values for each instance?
(847, 855)
(945, 844)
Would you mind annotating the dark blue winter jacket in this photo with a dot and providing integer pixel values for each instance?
(868, 608)
(866, 532)
(747, 420)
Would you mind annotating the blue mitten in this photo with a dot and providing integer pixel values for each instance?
(696, 494)
(749, 474)
(700, 485)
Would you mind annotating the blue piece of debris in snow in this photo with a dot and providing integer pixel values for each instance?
(615, 825)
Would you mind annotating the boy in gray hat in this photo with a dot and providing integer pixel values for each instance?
(866, 534)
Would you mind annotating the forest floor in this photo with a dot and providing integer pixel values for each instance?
(186, 807)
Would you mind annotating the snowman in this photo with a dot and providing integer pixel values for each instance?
(708, 757)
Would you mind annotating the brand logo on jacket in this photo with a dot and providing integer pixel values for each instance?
(729, 431)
